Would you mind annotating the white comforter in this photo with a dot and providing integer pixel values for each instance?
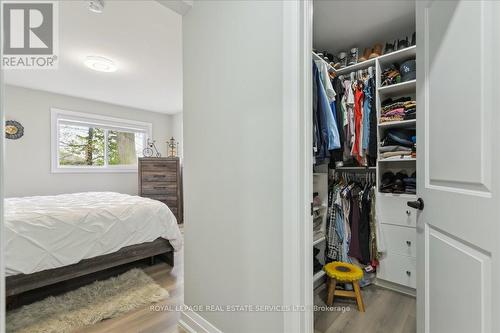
(47, 232)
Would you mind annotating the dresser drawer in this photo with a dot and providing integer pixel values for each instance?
(159, 165)
(398, 269)
(165, 188)
(169, 200)
(399, 240)
(394, 210)
(159, 176)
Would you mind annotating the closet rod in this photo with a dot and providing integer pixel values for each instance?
(355, 169)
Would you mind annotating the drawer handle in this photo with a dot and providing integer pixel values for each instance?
(408, 243)
(160, 187)
(159, 176)
(408, 273)
(408, 213)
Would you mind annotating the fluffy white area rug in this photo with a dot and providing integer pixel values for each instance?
(87, 305)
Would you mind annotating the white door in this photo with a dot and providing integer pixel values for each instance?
(458, 133)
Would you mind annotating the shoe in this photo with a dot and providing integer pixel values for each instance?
(342, 60)
(366, 55)
(376, 51)
(387, 182)
(389, 47)
(353, 56)
(403, 43)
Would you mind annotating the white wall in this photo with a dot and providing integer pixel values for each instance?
(233, 161)
(27, 160)
(177, 131)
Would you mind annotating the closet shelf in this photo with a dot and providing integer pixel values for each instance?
(398, 195)
(407, 87)
(317, 57)
(397, 159)
(316, 208)
(318, 275)
(319, 238)
(398, 56)
(402, 124)
(355, 67)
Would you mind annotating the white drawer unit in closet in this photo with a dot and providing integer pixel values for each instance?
(392, 209)
(399, 240)
(398, 269)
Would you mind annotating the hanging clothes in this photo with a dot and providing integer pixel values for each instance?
(327, 134)
(372, 137)
(351, 223)
(358, 121)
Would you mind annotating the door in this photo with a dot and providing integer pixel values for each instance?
(458, 234)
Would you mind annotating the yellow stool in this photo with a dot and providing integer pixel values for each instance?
(345, 273)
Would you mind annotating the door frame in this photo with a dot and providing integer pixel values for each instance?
(297, 167)
(2, 233)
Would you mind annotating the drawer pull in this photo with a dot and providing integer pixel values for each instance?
(408, 273)
(159, 176)
(159, 187)
(408, 243)
(408, 213)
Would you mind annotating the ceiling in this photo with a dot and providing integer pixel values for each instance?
(142, 37)
(340, 25)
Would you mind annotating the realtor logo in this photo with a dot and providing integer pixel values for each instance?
(30, 34)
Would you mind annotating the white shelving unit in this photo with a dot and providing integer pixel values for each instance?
(397, 221)
(320, 185)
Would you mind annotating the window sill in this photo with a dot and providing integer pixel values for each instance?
(94, 170)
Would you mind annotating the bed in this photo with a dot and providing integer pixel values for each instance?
(50, 239)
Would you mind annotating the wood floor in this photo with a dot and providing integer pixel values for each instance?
(144, 320)
(386, 312)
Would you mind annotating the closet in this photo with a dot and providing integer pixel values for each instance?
(375, 153)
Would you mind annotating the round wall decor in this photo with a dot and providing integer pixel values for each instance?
(13, 130)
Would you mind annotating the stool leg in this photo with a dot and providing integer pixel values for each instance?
(332, 284)
(359, 299)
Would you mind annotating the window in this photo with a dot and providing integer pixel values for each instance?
(84, 142)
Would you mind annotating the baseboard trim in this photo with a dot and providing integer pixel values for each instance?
(396, 287)
(194, 323)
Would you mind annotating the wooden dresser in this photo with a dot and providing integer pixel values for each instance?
(160, 179)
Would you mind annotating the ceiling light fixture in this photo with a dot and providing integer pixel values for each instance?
(100, 64)
(96, 6)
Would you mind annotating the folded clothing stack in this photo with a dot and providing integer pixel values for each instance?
(403, 108)
(391, 75)
(399, 183)
(398, 142)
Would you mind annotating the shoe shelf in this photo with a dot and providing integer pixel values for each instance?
(317, 57)
(318, 276)
(398, 56)
(319, 238)
(385, 59)
(407, 87)
(355, 67)
(399, 124)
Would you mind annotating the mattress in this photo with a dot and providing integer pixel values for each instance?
(45, 232)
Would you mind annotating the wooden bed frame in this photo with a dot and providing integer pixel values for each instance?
(17, 284)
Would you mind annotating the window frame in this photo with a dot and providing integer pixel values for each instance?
(108, 123)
